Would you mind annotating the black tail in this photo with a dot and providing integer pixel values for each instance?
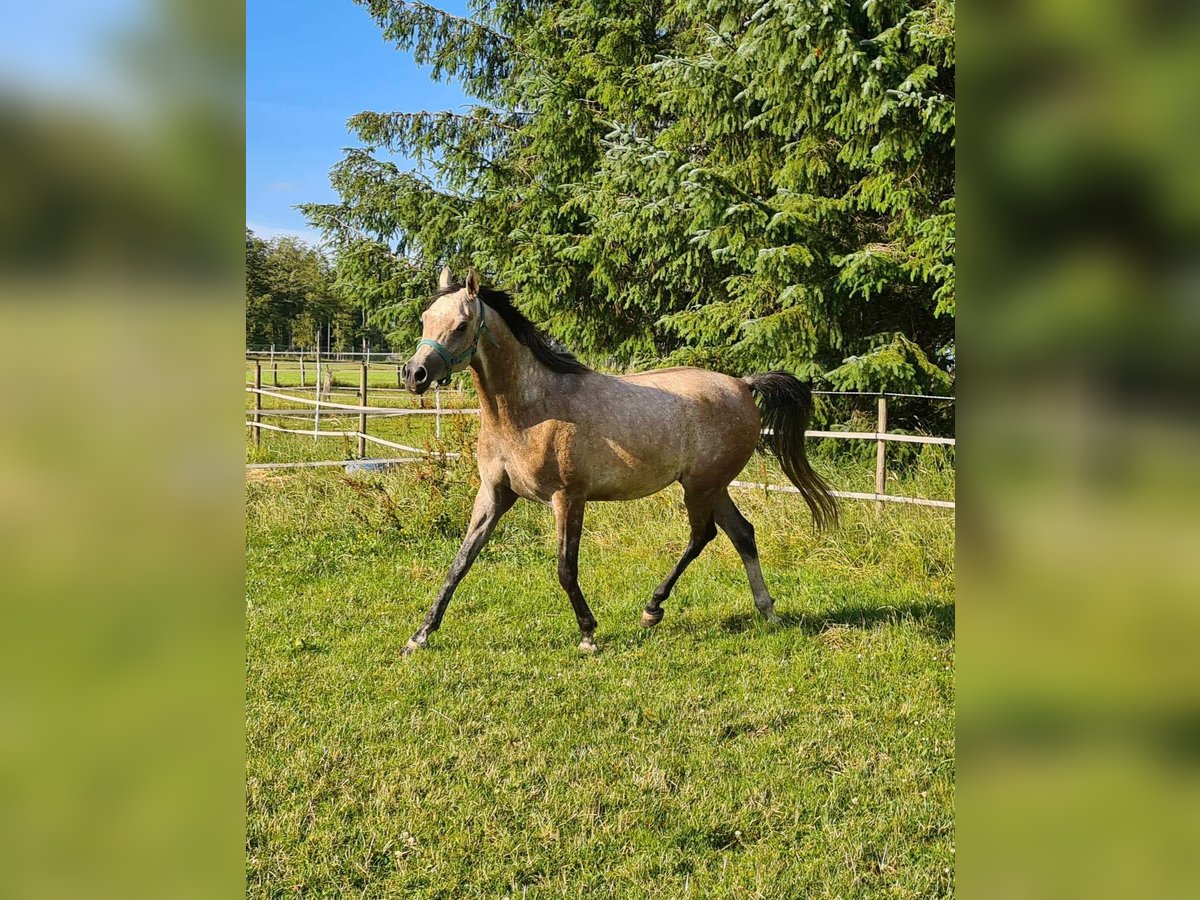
(786, 405)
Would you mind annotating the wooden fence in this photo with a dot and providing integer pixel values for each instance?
(881, 436)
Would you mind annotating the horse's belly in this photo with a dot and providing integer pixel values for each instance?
(619, 474)
(606, 483)
(549, 458)
(627, 491)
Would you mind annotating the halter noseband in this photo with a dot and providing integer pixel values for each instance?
(452, 361)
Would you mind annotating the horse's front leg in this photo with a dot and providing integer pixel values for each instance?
(492, 501)
(568, 515)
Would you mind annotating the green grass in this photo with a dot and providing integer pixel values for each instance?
(714, 756)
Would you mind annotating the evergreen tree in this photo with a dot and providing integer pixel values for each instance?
(740, 185)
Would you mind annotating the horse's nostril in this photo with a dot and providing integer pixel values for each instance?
(404, 371)
(420, 374)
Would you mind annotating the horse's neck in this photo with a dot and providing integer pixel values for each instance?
(508, 378)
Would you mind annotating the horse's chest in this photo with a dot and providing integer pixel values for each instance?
(536, 462)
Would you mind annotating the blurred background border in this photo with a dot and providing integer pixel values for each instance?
(121, 479)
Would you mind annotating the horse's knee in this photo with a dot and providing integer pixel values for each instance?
(709, 532)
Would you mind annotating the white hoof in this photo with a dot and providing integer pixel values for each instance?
(650, 619)
(587, 645)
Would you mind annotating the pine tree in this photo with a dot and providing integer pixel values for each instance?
(739, 185)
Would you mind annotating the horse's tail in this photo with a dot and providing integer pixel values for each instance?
(786, 405)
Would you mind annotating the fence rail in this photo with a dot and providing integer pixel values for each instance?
(881, 436)
(848, 495)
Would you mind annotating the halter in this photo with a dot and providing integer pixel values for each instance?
(452, 361)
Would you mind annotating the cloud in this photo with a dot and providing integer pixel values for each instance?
(310, 236)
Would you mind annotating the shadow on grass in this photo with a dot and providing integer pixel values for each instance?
(937, 619)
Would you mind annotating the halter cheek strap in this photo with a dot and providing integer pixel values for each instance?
(453, 360)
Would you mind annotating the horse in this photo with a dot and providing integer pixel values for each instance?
(556, 432)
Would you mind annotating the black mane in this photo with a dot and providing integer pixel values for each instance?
(549, 352)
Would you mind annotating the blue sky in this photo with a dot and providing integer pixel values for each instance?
(65, 49)
(310, 65)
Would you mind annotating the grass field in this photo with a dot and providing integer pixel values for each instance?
(714, 756)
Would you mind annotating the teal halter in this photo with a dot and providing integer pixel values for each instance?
(452, 361)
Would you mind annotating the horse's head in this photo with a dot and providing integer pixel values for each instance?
(450, 332)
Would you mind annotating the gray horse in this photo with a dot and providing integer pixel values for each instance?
(554, 431)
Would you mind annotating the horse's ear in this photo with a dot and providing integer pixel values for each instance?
(446, 279)
(473, 282)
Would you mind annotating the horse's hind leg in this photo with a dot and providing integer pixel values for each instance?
(741, 532)
(700, 518)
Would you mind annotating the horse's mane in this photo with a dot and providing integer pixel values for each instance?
(548, 351)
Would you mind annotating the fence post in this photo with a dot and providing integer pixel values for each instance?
(880, 455)
(317, 410)
(274, 368)
(437, 416)
(257, 402)
(362, 416)
(303, 379)
(399, 383)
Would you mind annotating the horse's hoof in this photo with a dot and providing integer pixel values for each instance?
(771, 618)
(410, 648)
(587, 645)
(651, 617)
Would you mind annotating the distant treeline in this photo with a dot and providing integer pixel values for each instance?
(292, 300)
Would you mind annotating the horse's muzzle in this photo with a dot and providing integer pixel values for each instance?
(416, 377)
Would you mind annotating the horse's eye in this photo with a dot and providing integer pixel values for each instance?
(461, 327)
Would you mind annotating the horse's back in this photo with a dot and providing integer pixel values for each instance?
(682, 423)
(701, 393)
(689, 380)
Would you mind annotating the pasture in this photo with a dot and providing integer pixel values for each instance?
(713, 756)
